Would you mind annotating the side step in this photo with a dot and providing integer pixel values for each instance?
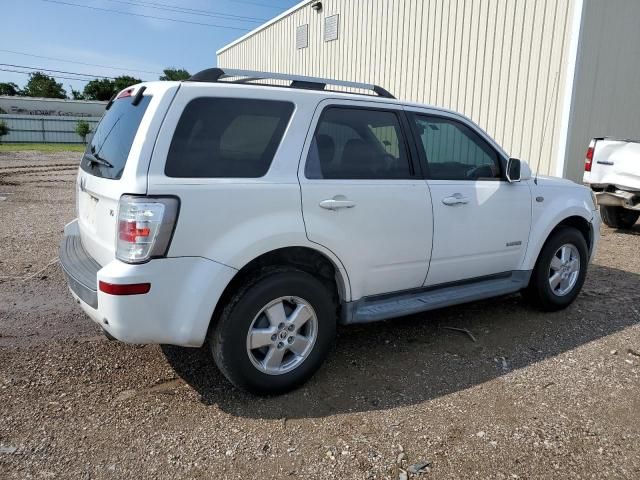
(382, 307)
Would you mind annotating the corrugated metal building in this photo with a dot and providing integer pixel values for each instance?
(47, 120)
(54, 107)
(541, 76)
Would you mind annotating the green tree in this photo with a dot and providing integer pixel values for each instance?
(41, 85)
(76, 94)
(83, 129)
(9, 88)
(99, 89)
(103, 88)
(175, 74)
(124, 81)
(4, 129)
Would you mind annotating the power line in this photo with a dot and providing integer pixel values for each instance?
(54, 71)
(76, 62)
(145, 16)
(191, 11)
(56, 76)
(261, 4)
(200, 10)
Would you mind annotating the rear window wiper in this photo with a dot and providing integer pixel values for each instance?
(95, 158)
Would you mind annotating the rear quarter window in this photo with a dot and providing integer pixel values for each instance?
(107, 152)
(227, 138)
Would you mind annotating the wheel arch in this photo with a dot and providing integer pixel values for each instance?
(579, 223)
(577, 220)
(305, 258)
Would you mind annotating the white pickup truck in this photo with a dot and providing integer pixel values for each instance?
(612, 171)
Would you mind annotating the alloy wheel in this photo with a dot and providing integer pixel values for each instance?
(282, 335)
(564, 269)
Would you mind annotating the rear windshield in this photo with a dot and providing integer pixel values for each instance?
(227, 137)
(107, 152)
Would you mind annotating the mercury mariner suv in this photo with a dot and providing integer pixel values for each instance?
(254, 217)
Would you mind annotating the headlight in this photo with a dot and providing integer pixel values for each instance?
(594, 200)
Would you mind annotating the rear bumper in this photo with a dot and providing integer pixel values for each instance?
(177, 309)
(619, 198)
(80, 269)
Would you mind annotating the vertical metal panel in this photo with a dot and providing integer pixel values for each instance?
(500, 62)
(606, 99)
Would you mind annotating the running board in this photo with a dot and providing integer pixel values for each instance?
(382, 307)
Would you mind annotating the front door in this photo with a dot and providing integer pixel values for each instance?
(481, 221)
(363, 196)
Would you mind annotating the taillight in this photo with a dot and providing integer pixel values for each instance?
(145, 227)
(125, 93)
(589, 157)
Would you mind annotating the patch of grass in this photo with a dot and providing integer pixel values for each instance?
(41, 147)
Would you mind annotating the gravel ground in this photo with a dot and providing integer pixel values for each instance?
(535, 396)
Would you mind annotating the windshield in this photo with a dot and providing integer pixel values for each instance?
(107, 152)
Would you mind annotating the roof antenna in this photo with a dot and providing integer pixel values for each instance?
(544, 128)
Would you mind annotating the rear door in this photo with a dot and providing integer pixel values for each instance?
(363, 197)
(115, 162)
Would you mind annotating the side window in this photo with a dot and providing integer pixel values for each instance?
(388, 137)
(227, 137)
(357, 143)
(454, 151)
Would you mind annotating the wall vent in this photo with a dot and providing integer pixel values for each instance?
(302, 36)
(331, 28)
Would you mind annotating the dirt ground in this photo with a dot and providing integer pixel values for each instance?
(537, 395)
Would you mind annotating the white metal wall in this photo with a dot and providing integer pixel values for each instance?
(606, 99)
(500, 62)
(56, 107)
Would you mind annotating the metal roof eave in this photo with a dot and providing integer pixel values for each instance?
(265, 25)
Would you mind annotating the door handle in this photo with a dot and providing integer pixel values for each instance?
(455, 199)
(337, 203)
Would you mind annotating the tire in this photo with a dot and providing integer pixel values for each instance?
(618, 217)
(540, 291)
(229, 340)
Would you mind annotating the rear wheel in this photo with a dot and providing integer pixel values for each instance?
(618, 217)
(560, 270)
(275, 332)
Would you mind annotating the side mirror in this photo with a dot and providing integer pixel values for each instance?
(513, 170)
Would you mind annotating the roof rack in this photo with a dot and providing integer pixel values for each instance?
(297, 81)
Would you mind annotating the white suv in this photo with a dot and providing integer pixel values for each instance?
(256, 217)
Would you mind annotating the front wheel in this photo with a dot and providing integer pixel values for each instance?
(560, 270)
(275, 332)
(618, 217)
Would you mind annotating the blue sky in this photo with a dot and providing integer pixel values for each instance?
(55, 29)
